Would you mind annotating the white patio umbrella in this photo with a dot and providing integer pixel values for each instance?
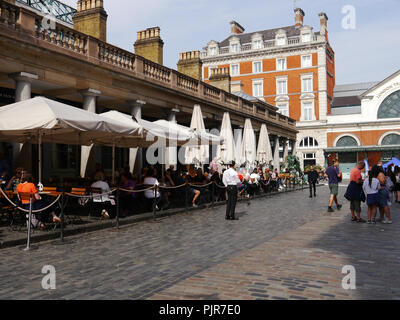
(148, 134)
(264, 151)
(197, 154)
(226, 152)
(249, 148)
(41, 120)
(238, 136)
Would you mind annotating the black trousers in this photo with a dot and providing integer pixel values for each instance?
(313, 186)
(232, 200)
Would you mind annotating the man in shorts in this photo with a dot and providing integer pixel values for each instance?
(333, 173)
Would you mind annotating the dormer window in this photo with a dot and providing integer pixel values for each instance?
(234, 47)
(213, 51)
(281, 40)
(306, 37)
(257, 44)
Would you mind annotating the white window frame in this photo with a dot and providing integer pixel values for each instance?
(280, 40)
(254, 68)
(238, 69)
(278, 80)
(308, 35)
(303, 109)
(303, 65)
(234, 45)
(278, 65)
(211, 51)
(309, 145)
(283, 106)
(303, 87)
(258, 82)
(257, 44)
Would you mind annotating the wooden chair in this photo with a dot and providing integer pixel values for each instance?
(76, 192)
(26, 197)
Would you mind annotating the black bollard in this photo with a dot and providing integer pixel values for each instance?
(155, 202)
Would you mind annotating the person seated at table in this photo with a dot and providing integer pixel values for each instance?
(128, 199)
(254, 183)
(27, 186)
(149, 181)
(15, 180)
(101, 184)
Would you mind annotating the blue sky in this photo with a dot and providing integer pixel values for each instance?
(370, 52)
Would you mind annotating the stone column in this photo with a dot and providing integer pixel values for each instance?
(171, 154)
(136, 154)
(23, 85)
(276, 154)
(294, 147)
(89, 104)
(23, 91)
(285, 149)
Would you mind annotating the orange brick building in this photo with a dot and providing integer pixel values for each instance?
(291, 67)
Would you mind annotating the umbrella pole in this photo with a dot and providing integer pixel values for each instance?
(40, 158)
(113, 163)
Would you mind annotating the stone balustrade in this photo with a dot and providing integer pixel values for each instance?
(9, 15)
(25, 24)
(268, 44)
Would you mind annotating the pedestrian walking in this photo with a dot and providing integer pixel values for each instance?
(313, 176)
(231, 181)
(371, 188)
(355, 193)
(334, 175)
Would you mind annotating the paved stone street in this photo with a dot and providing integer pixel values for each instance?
(285, 246)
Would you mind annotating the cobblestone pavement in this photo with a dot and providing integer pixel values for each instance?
(285, 246)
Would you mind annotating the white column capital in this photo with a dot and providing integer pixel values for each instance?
(90, 92)
(24, 76)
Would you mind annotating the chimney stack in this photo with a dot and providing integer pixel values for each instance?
(221, 78)
(299, 17)
(324, 24)
(236, 28)
(91, 18)
(190, 64)
(149, 45)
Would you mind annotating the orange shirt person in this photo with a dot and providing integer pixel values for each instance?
(27, 186)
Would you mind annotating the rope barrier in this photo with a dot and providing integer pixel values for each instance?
(174, 187)
(201, 185)
(96, 195)
(27, 211)
(136, 191)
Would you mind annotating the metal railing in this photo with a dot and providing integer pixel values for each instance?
(60, 10)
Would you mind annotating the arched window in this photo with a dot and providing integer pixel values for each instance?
(309, 142)
(391, 139)
(347, 141)
(390, 107)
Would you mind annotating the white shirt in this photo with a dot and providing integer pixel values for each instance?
(104, 189)
(149, 181)
(230, 178)
(374, 188)
(256, 178)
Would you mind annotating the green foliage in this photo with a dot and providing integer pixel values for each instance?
(293, 165)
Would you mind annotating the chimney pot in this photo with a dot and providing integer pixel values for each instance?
(236, 28)
(299, 17)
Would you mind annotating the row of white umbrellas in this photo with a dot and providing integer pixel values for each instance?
(40, 120)
(242, 147)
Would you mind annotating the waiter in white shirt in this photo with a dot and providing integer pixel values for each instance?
(231, 181)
